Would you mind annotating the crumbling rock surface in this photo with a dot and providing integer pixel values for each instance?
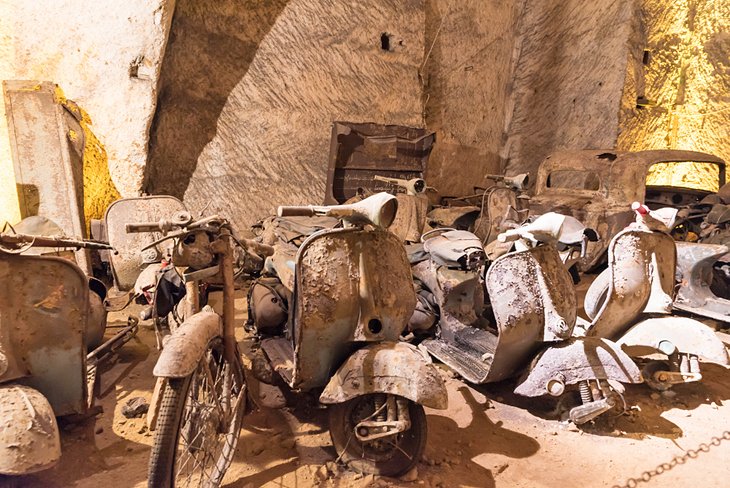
(249, 93)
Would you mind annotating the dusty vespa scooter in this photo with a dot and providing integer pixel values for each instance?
(533, 302)
(631, 303)
(48, 315)
(348, 293)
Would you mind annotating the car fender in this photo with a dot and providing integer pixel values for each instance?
(577, 360)
(183, 349)
(29, 440)
(395, 368)
(686, 335)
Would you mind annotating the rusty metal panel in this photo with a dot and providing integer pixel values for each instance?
(632, 256)
(43, 311)
(46, 142)
(687, 335)
(396, 368)
(694, 263)
(358, 152)
(533, 300)
(352, 285)
(127, 260)
(578, 360)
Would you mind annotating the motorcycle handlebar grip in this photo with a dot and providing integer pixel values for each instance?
(142, 227)
(295, 211)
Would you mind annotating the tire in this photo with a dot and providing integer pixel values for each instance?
(376, 457)
(596, 294)
(179, 421)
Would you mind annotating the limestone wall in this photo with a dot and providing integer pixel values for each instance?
(569, 78)
(249, 91)
(467, 73)
(684, 79)
(105, 55)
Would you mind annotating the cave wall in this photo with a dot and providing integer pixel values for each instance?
(569, 78)
(467, 74)
(249, 91)
(683, 79)
(105, 55)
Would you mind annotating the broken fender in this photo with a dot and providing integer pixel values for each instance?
(29, 439)
(184, 348)
(576, 360)
(686, 335)
(395, 368)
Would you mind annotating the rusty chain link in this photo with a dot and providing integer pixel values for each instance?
(664, 467)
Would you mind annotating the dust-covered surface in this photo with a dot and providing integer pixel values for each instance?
(483, 439)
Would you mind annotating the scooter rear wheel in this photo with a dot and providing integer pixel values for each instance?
(390, 456)
(195, 440)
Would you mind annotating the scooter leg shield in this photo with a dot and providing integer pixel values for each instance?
(29, 440)
(395, 368)
(184, 348)
(667, 334)
(576, 360)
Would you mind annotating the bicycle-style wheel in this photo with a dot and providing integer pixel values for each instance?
(199, 422)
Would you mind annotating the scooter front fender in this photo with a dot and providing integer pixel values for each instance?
(577, 360)
(184, 348)
(688, 336)
(395, 368)
(29, 440)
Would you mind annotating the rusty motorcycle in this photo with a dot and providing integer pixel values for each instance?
(200, 396)
(52, 324)
(347, 296)
(531, 296)
(631, 303)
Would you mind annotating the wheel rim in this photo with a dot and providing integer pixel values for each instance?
(378, 450)
(210, 422)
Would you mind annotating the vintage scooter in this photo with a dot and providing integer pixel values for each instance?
(631, 303)
(348, 295)
(49, 312)
(695, 263)
(531, 295)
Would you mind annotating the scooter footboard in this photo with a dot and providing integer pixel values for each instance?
(184, 348)
(395, 368)
(577, 360)
(669, 334)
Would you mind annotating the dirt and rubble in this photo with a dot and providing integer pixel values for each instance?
(486, 438)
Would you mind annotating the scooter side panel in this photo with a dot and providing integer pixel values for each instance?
(126, 261)
(577, 360)
(352, 285)
(44, 305)
(695, 262)
(533, 300)
(629, 286)
(688, 336)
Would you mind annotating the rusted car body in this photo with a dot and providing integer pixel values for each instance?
(595, 186)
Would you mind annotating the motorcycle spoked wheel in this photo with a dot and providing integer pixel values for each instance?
(390, 456)
(195, 440)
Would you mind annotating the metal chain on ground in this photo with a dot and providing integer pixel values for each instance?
(664, 467)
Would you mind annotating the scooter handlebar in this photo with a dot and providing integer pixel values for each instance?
(509, 236)
(295, 211)
(142, 227)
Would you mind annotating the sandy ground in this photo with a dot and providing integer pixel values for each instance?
(487, 438)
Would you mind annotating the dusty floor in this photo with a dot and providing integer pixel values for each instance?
(484, 439)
